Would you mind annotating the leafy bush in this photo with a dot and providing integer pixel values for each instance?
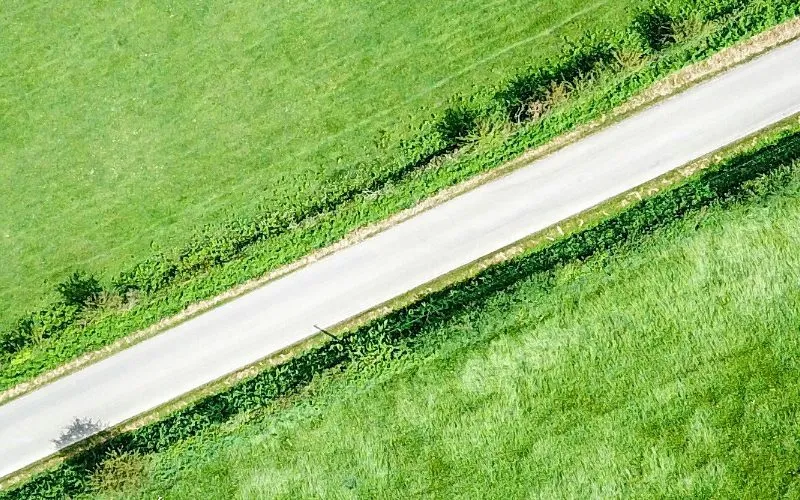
(79, 289)
(655, 28)
(17, 337)
(456, 124)
(579, 60)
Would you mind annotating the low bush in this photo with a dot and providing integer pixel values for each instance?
(655, 28)
(752, 174)
(456, 124)
(579, 61)
(79, 289)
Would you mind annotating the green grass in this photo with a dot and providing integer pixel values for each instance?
(666, 368)
(305, 211)
(129, 125)
(528, 391)
(746, 176)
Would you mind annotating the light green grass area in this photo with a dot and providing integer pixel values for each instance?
(666, 369)
(129, 124)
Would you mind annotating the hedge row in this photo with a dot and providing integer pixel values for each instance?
(746, 176)
(161, 283)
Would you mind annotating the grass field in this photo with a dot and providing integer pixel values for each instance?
(129, 125)
(664, 369)
(752, 181)
(198, 189)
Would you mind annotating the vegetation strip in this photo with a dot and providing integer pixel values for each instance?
(727, 182)
(477, 133)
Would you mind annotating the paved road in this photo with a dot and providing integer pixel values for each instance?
(410, 254)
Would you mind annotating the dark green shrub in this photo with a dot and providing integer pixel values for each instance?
(456, 124)
(18, 336)
(655, 28)
(579, 60)
(79, 289)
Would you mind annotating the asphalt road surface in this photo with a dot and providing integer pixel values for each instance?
(348, 282)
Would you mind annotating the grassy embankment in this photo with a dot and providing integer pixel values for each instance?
(305, 207)
(650, 354)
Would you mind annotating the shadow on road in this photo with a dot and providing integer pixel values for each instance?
(80, 428)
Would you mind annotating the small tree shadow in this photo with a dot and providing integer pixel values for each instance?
(80, 428)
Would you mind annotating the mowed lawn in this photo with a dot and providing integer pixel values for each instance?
(666, 370)
(125, 125)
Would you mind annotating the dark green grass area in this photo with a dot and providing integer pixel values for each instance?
(651, 354)
(124, 125)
